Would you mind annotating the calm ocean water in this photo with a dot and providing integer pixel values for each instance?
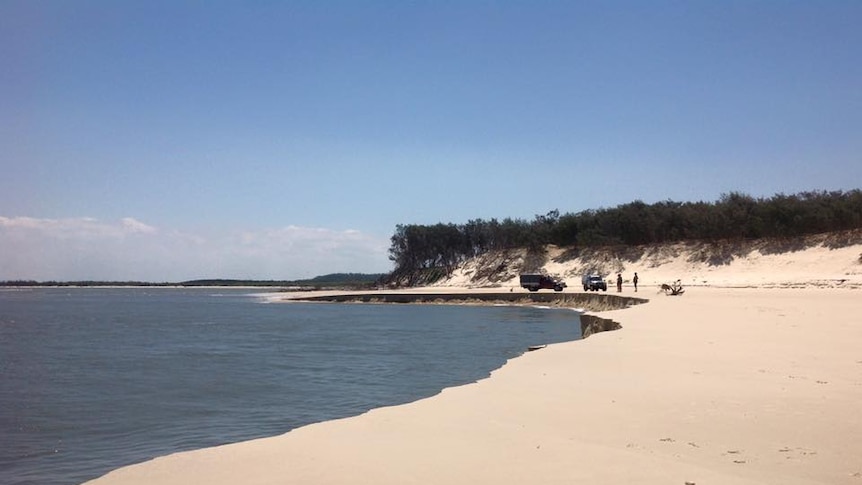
(94, 379)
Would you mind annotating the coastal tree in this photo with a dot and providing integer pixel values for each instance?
(735, 216)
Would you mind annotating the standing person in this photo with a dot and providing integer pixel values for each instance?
(635, 281)
(619, 283)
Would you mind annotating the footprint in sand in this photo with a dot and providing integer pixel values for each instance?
(793, 453)
(735, 452)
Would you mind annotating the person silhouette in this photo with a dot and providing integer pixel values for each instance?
(619, 282)
(635, 281)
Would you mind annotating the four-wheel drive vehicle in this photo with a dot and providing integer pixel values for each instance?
(594, 283)
(535, 282)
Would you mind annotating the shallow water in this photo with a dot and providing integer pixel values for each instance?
(93, 379)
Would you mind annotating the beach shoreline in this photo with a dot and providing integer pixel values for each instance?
(748, 386)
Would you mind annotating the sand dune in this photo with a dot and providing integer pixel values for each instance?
(718, 386)
(819, 263)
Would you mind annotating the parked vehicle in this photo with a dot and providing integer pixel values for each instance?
(594, 283)
(536, 282)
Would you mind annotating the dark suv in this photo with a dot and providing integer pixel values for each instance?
(594, 283)
(535, 282)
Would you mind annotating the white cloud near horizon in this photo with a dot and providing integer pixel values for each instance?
(90, 249)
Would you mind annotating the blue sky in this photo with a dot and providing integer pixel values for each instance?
(165, 140)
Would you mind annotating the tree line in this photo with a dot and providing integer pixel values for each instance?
(735, 216)
(357, 280)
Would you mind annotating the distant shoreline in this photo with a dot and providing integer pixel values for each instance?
(119, 287)
(352, 281)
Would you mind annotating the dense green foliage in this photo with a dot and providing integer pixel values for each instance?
(341, 278)
(734, 216)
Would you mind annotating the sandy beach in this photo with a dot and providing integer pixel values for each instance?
(754, 385)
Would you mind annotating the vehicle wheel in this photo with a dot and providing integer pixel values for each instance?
(533, 289)
(558, 288)
(586, 288)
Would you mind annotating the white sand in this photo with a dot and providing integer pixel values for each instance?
(717, 386)
(816, 266)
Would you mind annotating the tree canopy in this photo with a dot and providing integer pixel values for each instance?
(735, 216)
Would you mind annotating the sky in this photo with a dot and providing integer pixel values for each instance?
(173, 140)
